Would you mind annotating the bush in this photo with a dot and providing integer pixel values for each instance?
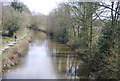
(13, 27)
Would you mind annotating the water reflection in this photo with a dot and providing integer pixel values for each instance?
(47, 60)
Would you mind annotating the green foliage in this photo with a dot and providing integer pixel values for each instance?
(17, 6)
(13, 20)
(57, 24)
(97, 40)
(61, 35)
(38, 21)
(104, 50)
(13, 27)
(33, 25)
(105, 59)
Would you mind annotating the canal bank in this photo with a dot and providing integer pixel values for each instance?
(11, 56)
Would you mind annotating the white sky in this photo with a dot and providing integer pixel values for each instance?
(41, 6)
(44, 6)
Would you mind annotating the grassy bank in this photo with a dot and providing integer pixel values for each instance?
(6, 40)
(12, 56)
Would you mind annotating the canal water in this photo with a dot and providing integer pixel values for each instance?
(47, 59)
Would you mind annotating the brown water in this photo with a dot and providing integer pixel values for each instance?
(47, 59)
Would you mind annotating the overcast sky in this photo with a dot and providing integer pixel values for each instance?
(41, 6)
(45, 6)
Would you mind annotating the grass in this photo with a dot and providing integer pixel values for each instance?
(6, 40)
(9, 39)
(1, 46)
(21, 35)
(6, 52)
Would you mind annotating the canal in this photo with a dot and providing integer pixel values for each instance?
(47, 59)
